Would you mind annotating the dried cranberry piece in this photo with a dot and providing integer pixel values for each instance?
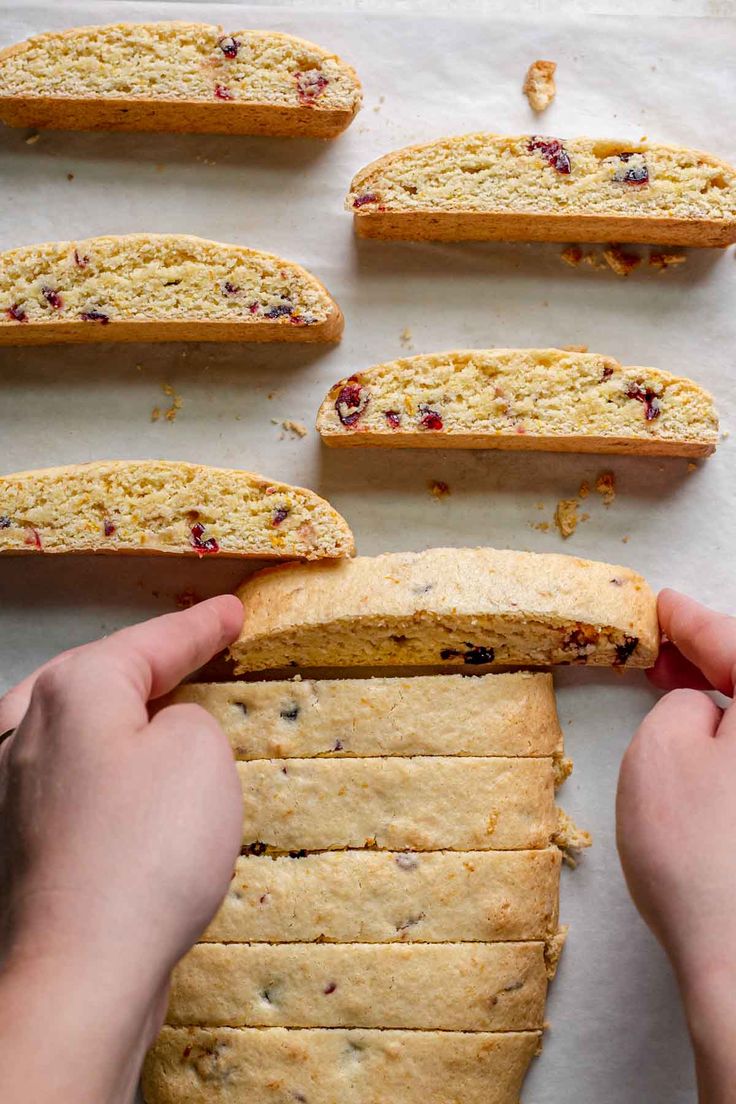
(95, 316)
(16, 313)
(648, 397)
(223, 93)
(187, 1050)
(393, 418)
(280, 311)
(553, 152)
(607, 373)
(229, 288)
(579, 640)
(625, 651)
(203, 547)
(367, 197)
(351, 403)
(33, 537)
(52, 297)
(280, 514)
(637, 174)
(80, 260)
(310, 85)
(289, 712)
(475, 654)
(5, 522)
(229, 46)
(330, 987)
(430, 419)
(301, 319)
(108, 527)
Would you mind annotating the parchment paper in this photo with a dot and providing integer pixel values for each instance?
(617, 1034)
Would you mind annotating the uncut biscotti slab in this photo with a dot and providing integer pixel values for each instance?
(164, 506)
(453, 606)
(159, 287)
(426, 803)
(548, 399)
(352, 1066)
(489, 187)
(504, 714)
(484, 986)
(389, 896)
(177, 76)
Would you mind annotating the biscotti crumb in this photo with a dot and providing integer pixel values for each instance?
(566, 516)
(572, 255)
(438, 488)
(553, 949)
(542, 526)
(176, 402)
(594, 260)
(539, 84)
(32, 139)
(574, 348)
(692, 466)
(625, 540)
(155, 414)
(296, 429)
(605, 485)
(622, 263)
(663, 261)
(70, 176)
(406, 336)
(584, 489)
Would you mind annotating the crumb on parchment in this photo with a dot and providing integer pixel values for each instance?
(539, 84)
(621, 262)
(176, 402)
(572, 255)
(584, 490)
(567, 518)
(605, 485)
(438, 488)
(295, 429)
(406, 337)
(663, 261)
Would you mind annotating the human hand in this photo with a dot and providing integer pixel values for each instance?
(118, 836)
(676, 827)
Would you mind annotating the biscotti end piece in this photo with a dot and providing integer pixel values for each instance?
(551, 399)
(161, 506)
(504, 714)
(159, 287)
(531, 187)
(453, 607)
(180, 77)
(539, 84)
(353, 1066)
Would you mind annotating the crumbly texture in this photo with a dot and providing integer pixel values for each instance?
(505, 714)
(159, 287)
(622, 262)
(539, 84)
(532, 187)
(277, 1066)
(177, 76)
(424, 986)
(567, 517)
(448, 607)
(166, 507)
(391, 897)
(553, 399)
(424, 803)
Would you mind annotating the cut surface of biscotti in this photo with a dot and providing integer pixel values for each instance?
(159, 287)
(352, 1066)
(163, 506)
(177, 76)
(447, 606)
(389, 896)
(484, 986)
(504, 714)
(548, 399)
(425, 803)
(537, 188)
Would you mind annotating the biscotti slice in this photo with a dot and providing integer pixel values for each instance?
(507, 714)
(426, 803)
(159, 287)
(448, 986)
(165, 506)
(447, 606)
(266, 1065)
(177, 76)
(489, 187)
(389, 896)
(520, 399)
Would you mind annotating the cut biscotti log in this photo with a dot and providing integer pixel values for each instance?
(520, 399)
(425, 803)
(234, 1065)
(162, 506)
(177, 76)
(159, 287)
(483, 987)
(489, 187)
(389, 896)
(506, 714)
(447, 606)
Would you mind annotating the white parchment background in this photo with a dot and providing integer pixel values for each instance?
(617, 1034)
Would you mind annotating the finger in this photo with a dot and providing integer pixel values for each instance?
(672, 671)
(706, 638)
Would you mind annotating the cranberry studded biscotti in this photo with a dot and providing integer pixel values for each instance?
(489, 187)
(447, 607)
(169, 507)
(177, 76)
(159, 287)
(547, 399)
(354, 1066)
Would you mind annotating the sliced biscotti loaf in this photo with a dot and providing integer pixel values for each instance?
(177, 76)
(426, 803)
(520, 399)
(488, 187)
(484, 986)
(163, 506)
(507, 714)
(447, 606)
(353, 1066)
(159, 287)
(389, 896)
